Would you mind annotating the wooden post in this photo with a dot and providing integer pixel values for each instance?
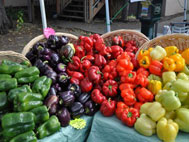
(31, 11)
(58, 6)
(125, 11)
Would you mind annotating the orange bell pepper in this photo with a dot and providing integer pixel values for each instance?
(185, 55)
(145, 61)
(169, 64)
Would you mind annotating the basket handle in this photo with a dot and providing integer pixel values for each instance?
(41, 37)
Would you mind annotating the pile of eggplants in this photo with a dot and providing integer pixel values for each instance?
(64, 99)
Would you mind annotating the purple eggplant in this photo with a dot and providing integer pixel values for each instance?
(90, 108)
(64, 117)
(52, 104)
(61, 67)
(77, 110)
(66, 98)
(47, 51)
(52, 91)
(63, 78)
(75, 89)
(51, 74)
(54, 59)
(52, 41)
(57, 87)
(83, 98)
(67, 52)
(31, 56)
(45, 57)
(63, 40)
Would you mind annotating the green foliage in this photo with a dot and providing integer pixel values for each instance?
(19, 20)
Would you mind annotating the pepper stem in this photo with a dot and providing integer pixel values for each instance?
(109, 100)
(144, 62)
(83, 58)
(130, 75)
(129, 114)
(110, 87)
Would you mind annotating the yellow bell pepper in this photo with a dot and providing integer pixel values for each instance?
(145, 61)
(167, 130)
(158, 53)
(185, 55)
(171, 50)
(170, 114)
(154, 86)
(145, 125)
(143, 53)
(154, 110)
(169, 64)
(179, 61)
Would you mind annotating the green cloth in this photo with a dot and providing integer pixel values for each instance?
(70, 134)
(110, 129)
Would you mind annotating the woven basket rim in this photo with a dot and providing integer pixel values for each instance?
(42, 37)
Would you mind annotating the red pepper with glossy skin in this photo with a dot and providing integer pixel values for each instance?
(121, 106)
(129, 77)
(81, 40)
(123, 66)
(77, 75)
(124, 86)
(128, 97)
(116, 51)
(156, 67)
(105, 51)
(89, 57)
(95, 37)
(69, 72)
(109, 71)
(97, 96)
(137, 105)
(79, 51)
(86, 85)
(133, 60)
(108, 107)
(137, 90)
(145, 95)
(141, 80)
(143, 71)
(129, 116)
(94, 74)
(75, 64)
(85, 65)
(88, 44)
(118, 40)
(131, 46)
(74, 80)
(100, 61)
(98, 44)
(110, 88)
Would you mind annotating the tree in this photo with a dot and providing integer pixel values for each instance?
(4, 21)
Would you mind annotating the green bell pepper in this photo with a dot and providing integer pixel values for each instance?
(17, 123)
(168, 99)
(181, 95)
(167, 86)
(27, 75)
(145, 126)
(49, 127)
(182, 76)
(41, 114)
(182, 119)
(3, 101)
(25, 137)
(26, 63)
(14, 92)
(186, 69)
(5, 76)
(181, 85)
(42, 86)
(168, 76)
(7, 84)
(158, 53)
(154, 77)
(26, 101)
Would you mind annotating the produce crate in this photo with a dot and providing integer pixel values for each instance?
(72, 39)
(127, 35)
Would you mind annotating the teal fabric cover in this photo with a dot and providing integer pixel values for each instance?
(110, 129)
(69, 134)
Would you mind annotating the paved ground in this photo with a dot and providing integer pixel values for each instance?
(16, 40)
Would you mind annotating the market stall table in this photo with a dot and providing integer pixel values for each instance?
(110, 129)
(70, 134)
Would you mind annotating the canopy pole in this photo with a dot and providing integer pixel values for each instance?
(43, 14)
(185, 10)
(107, 16)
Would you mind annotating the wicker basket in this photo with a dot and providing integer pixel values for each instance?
(72, 39)
(181, 41)
(127, 35)
(12, 56)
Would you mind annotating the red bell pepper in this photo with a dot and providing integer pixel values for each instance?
(88, 46)
(133, 60)
(156, 67)
(145, 95)
(110, 88)
(89, 57)
(137, 105)
(116, 51)
(129, 116)
(141, 80)
(100, 61)
(118, 40)
(79, 51)
(128, 97)
(94, 74)
(74, 80)
(109, 71)
(86, 85)
(124, 55)
(108, 107)
(77, 75)
(97, 96)
(143, 71)
(81, 40)
(98, 44)
(137, 90)
(124, 86)
(95, 37)
(131, 46)
(121, 106)
(75, 64)
(124, 66)
(69, 72)
(129, 77)
(85, 65)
